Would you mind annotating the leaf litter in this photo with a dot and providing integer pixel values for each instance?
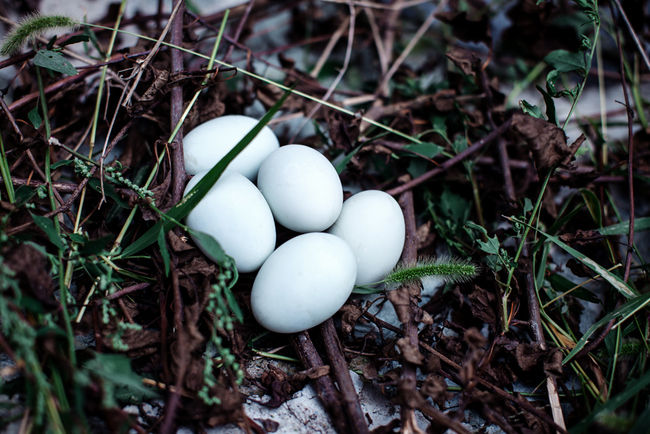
(466, 356)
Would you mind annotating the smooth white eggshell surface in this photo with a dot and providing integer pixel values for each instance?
(372, 224)
(302, 188)
(303, 283)
(209, 142)
(235, 213)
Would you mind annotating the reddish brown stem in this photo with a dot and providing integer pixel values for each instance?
(451, 162)
(324, 385)
(178, 164)
(183, 359)
(342, 374)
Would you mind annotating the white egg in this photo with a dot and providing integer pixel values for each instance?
(303, 283)
(235, 214)
(372, 224)
(302, 188)
(209, 142)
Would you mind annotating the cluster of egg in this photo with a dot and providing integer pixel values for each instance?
(308, 278)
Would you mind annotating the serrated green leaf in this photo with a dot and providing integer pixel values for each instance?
(35, 118)
(54, 61)
(566, 61)
(47, 226)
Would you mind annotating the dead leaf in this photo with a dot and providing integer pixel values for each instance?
(553, 363)
(464, 59)
(31, 269)
(350, 313)
(546, 141)
(528, 356)
(343, 129)
(401, 300)
(409, 352)
(435, 387)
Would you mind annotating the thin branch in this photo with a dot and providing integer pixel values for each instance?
(339, 77)
(452, 161)
(636, 39)
(178, 164)
(324, 386)
(351, 403)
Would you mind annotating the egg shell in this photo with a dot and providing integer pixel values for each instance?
(235, 213)
(302, 188)
(303, 283)
(209, 142)
(372, 224)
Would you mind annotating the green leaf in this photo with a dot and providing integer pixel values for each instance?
(567, 61)
(162, 246)
(642, 423)
(35, 118)
(183, 208)
(340, 167)
(551, 114)
(93, 247)
(232, 304)
(117, 377)
(530, 109)
(60, 163)
(74, 39)
(427, 149)
(211, 248)
(640, 224)
(593, 205)
(561, 285)
(47, 226)
(109, 190)
(54, 61)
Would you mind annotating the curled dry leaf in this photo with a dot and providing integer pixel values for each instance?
(409, 352)
(546, 141)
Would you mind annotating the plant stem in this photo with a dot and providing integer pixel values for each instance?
(511, 269)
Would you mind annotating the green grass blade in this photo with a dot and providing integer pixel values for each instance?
(183, 208)
(625, 311)
(4, 171)
(640, 224)
(634, 387)
(611, 278)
